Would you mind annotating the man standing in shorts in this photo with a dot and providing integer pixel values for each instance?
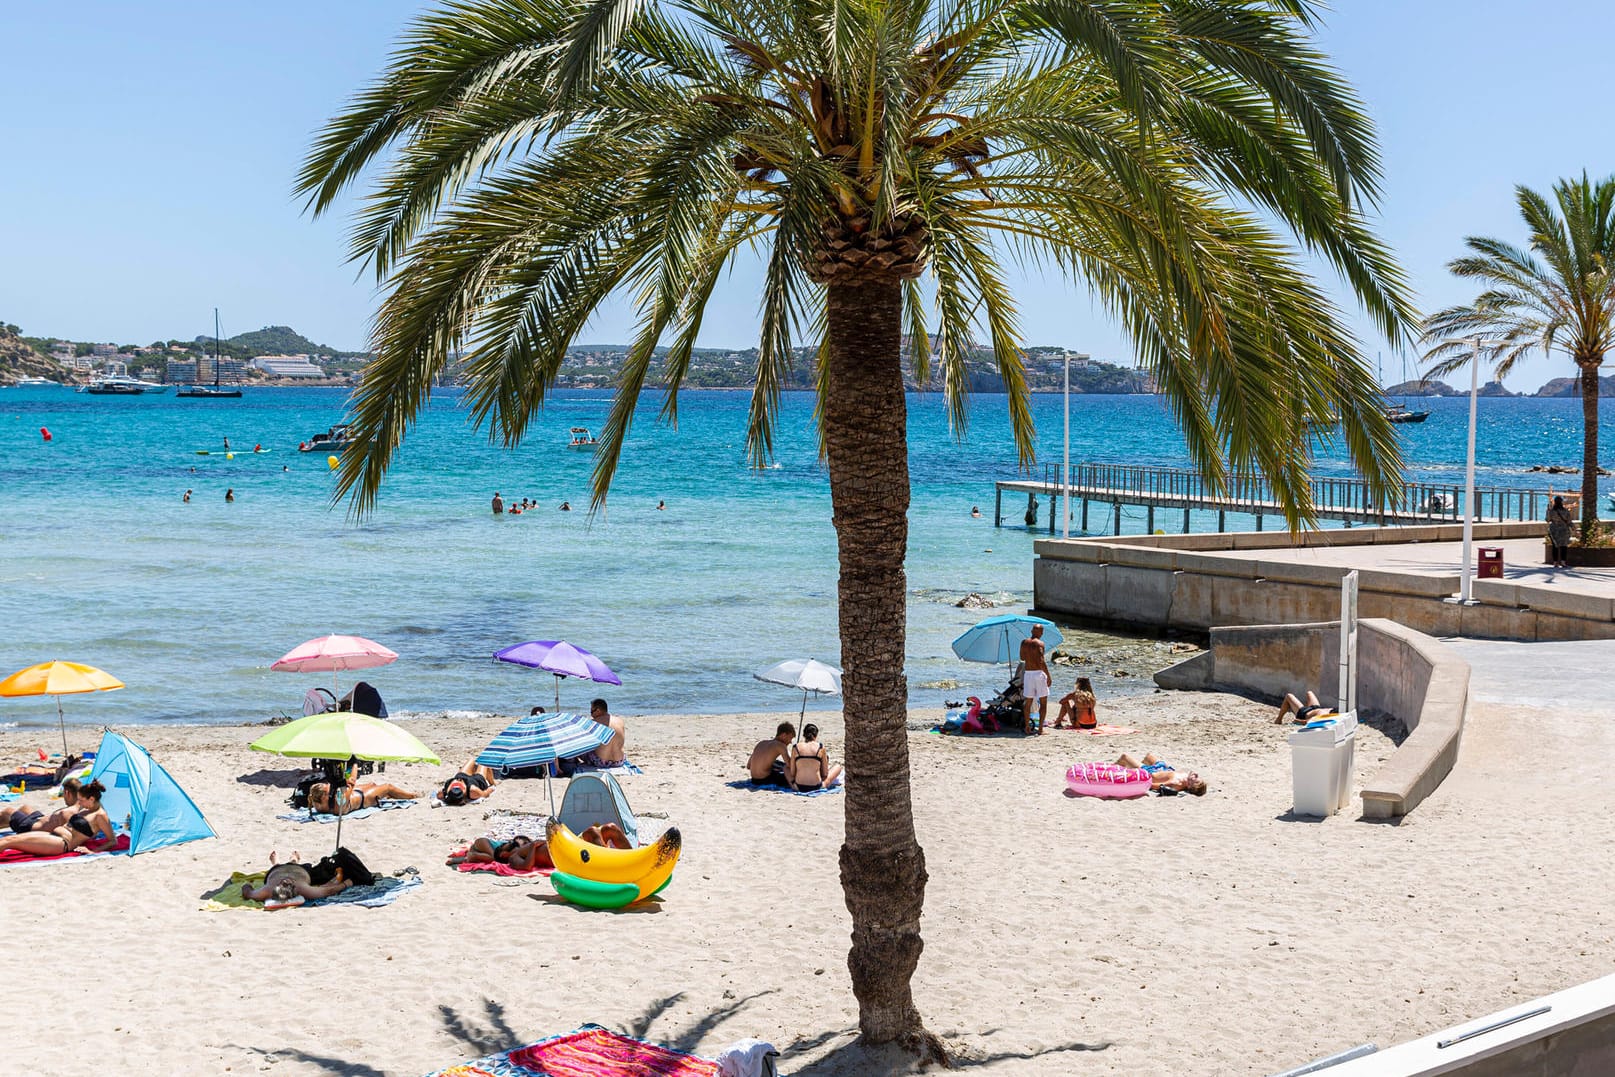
(1035, 681)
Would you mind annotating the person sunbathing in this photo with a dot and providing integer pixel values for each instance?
(87, 827)
(1164, 778)
(1304, 712)
(1077, 707)
(34, 773)
(522, 853)
(354, 797)
(810, 768)
(472, 782)
(25, 818)
(286, 882)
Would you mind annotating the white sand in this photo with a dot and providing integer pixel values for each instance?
(1215, 930)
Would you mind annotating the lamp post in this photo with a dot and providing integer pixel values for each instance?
(1065, 469)
(1466, 578)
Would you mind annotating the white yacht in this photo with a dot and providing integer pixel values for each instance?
(31, 381)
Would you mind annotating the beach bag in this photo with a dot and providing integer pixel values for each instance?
(351, 866)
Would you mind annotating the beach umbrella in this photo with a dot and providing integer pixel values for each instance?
(334, 654)
(560, 658)
(541, 739)
(345, 736)
(58, 679)
(806, 674)
(998, 639)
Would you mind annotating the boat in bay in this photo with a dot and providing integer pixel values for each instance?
(1398, 413)
(31, 382)
(581, 438)
(202, 391)
(333, 440)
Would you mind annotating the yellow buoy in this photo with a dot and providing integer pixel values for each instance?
(229, 456)
(331, 462)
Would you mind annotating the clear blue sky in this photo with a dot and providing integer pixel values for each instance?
(147, 152)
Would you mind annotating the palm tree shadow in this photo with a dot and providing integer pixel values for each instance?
(497, 1036)
(340, 1067)
(688, 1038)
(857, 1059)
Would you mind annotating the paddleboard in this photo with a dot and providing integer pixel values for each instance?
(233, 452)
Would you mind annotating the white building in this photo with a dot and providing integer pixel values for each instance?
(288, 366)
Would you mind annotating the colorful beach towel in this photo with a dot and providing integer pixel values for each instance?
(302, 816)
(591, 1051)
(14, 858)
(384, 892)
(1105, 731)
(745, 783)
(494, 867)
(625, 767)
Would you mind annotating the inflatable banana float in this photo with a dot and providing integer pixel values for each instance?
(602, 878)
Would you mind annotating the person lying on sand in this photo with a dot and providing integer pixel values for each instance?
(354, 797)
(292, 880)
(473, 782)
(87, 827)
(25, 818)
(40, 770)
(767, 763)
(522, 853)
(1304, 712)
(810, 768)
(1164, 777)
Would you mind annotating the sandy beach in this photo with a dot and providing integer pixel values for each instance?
(1062, 935)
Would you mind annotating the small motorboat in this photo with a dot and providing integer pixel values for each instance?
(1398, 413)
(581, 438)
(333, 440)
(113, 387)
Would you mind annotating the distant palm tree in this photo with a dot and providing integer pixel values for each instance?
(1564, 302)
(535, 157)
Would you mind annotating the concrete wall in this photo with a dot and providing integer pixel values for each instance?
(1400, 673)
(1181, 582)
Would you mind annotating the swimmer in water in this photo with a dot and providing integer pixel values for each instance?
(229, 496)
(661, 506)
(975, 512)
(226, 444)
(187, 497)
(566, 506)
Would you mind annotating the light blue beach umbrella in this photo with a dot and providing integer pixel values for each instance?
(540, 739)
(998, 639)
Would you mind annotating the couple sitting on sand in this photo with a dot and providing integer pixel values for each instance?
(81, 823)
(804, 767)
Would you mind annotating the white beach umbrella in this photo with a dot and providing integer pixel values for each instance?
(804, 673)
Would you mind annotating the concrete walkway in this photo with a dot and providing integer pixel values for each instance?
(1522, 562)
(1577, 676)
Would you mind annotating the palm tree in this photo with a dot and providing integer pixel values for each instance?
(1564, 302)
(884, 157)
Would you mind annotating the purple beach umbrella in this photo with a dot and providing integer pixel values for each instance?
(559, 658)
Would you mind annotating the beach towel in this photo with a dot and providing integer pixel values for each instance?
(1106, 731)
(13, 857)
(625, 767)
(591, 1051)
(384, 892)
(302, 815)
(495, 867)
(745, 783)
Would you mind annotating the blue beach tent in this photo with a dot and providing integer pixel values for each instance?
(143, 798)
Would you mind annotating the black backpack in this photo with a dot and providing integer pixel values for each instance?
(351, 866)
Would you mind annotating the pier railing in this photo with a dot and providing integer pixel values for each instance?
(1351, 500)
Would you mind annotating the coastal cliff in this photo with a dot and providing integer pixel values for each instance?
(18, 360)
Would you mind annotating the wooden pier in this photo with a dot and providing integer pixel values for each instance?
(1111, 486)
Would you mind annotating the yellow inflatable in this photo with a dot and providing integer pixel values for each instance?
(610, 878)
(331, 462)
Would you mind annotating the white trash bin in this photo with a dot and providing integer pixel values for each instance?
(1321, 764)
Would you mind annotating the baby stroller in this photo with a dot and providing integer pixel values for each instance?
(1008, 707)
(363, 699)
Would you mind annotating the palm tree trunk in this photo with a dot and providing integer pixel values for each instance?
(1589, 446)
(882, 866)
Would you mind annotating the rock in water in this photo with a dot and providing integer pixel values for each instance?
(973, 601)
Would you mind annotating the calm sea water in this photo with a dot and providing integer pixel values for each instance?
(190, 603)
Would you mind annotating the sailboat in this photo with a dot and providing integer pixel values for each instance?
(215, 391)
(1399, 413)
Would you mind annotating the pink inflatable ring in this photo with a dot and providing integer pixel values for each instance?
(1106, 780)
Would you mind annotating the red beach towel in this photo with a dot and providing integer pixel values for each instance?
(496, 867)
(598, 1052)
(17, 856)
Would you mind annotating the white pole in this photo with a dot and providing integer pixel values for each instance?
(1466, 585)
(1065, 471)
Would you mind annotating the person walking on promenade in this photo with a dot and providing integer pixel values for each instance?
(1560, 524)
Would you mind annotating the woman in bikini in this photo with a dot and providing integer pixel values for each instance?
(810, 767)
(472, 782)
(1304, 712)
(25, 818)
(87, 827)
(354, 797)
(1164, 777)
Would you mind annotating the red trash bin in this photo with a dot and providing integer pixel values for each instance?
(1491, 562)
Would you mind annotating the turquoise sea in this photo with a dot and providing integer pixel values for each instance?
(190, 603)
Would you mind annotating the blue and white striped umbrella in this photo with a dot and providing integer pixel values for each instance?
(544, 738)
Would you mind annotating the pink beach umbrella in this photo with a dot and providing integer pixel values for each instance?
(334, 653)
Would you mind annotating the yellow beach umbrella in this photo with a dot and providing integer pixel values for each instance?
(58, 679)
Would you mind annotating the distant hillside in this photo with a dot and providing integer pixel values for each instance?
(19, 360)
(270, 340)
(1421, 388)
(1572, 387)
